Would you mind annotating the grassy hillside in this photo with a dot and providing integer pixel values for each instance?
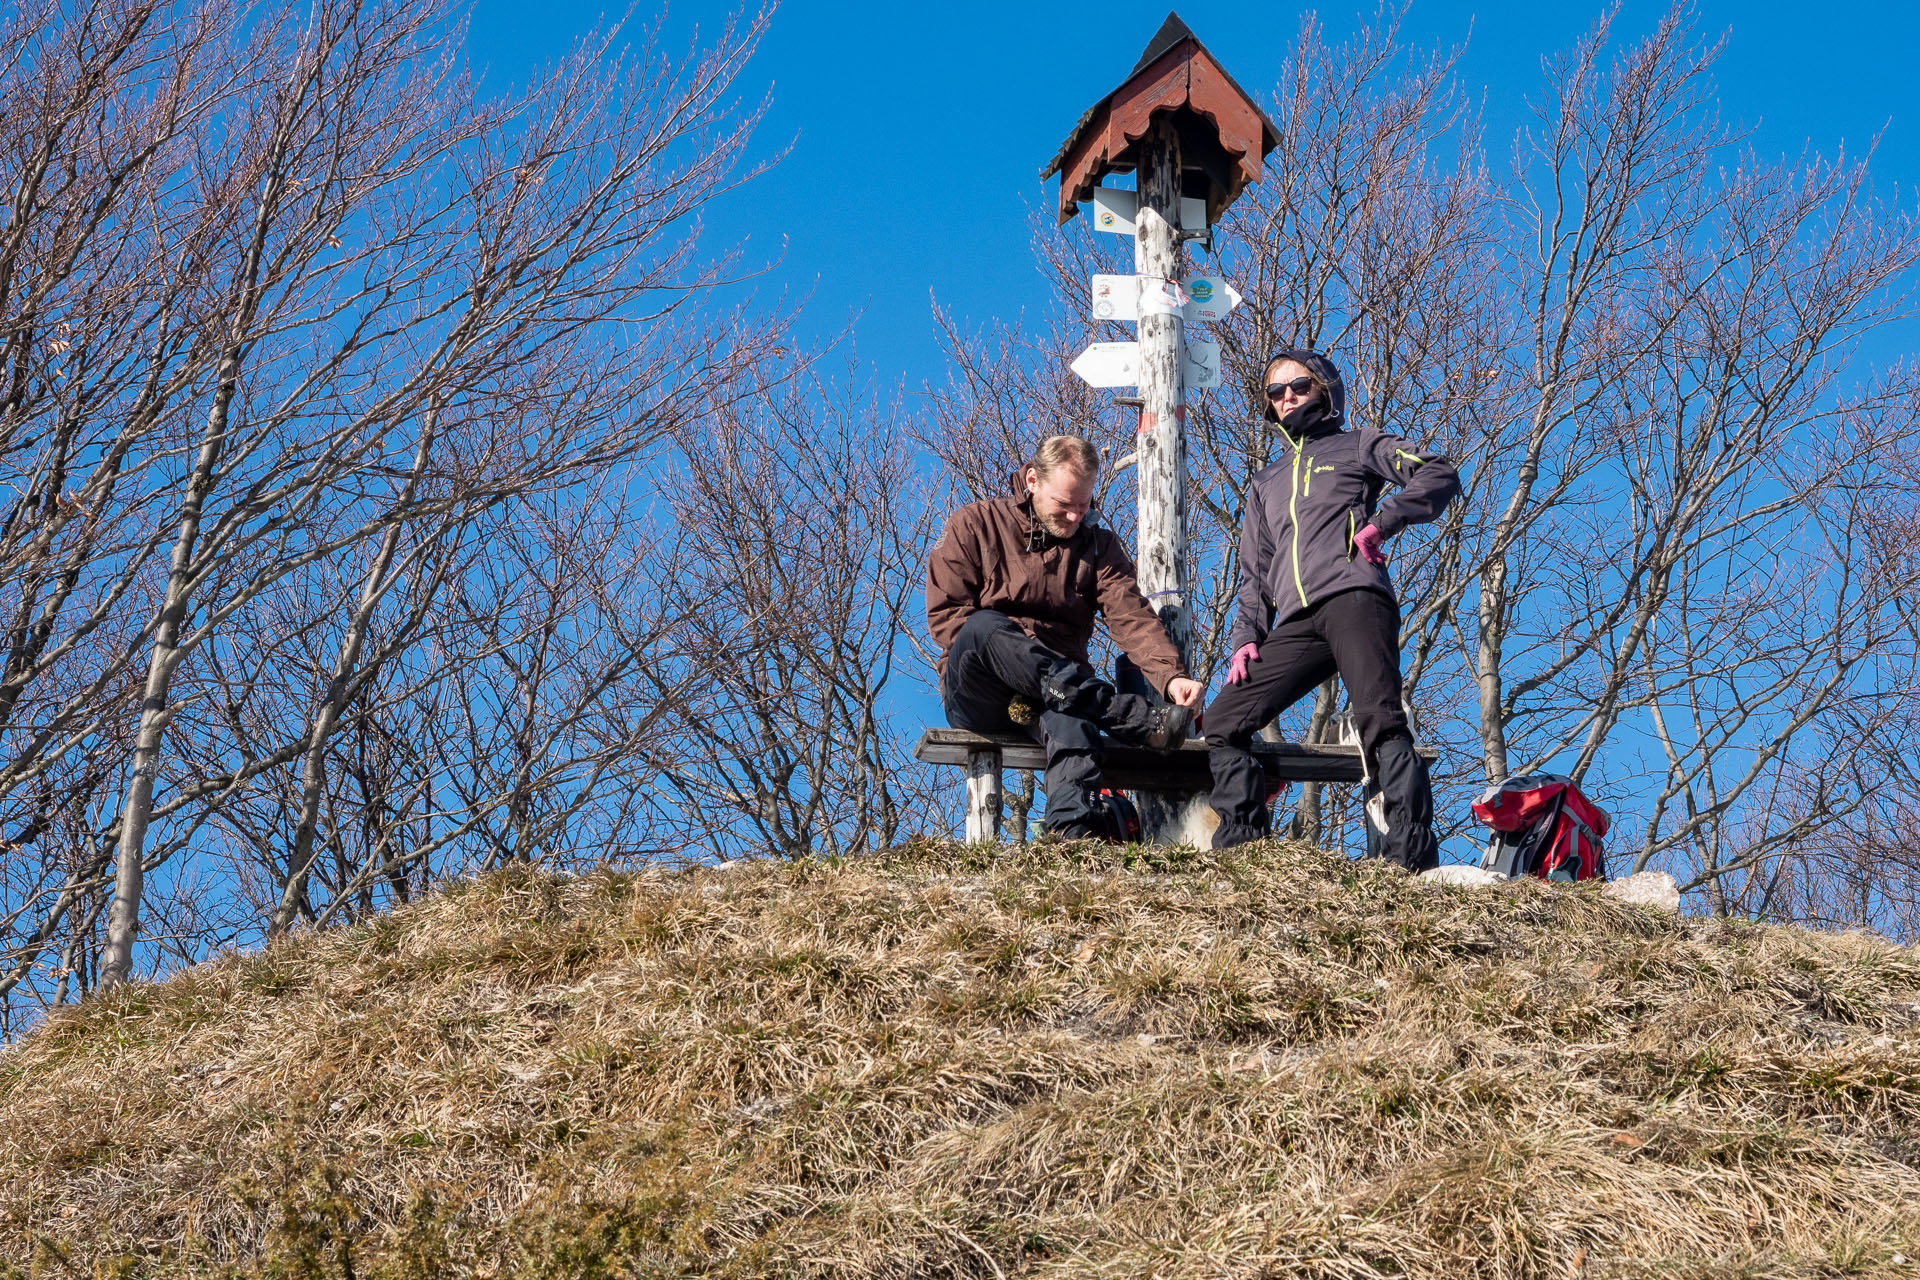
(1053, 1063)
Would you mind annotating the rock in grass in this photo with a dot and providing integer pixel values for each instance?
(1648, 889)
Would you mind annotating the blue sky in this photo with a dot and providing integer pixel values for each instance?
(918, 132)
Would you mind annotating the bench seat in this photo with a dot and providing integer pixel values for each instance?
(1181, 771)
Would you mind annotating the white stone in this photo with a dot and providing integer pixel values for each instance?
(1648, 889)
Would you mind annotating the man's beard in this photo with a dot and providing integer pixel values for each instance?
(1056, 529)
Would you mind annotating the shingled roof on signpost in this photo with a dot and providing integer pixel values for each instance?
(1223, 135)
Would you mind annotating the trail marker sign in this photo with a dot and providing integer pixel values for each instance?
(1118, 211)
(1117, 364)
(1126, 298)
(1115, 298)
(1209, 298)
(1109, 364)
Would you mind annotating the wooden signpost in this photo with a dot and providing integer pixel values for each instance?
(1187, 130)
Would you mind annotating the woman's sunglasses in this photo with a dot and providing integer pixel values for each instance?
(1299, 387)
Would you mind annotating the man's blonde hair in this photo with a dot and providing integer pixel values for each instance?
(1072, 452)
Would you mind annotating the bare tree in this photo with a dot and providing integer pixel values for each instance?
(295, 326)
(805, 528)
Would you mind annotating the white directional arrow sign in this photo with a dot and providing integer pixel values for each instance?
(1209, 298)
(1203, 365)
(1117, 364)
(1112, 364)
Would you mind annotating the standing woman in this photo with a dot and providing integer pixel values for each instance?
(1315, 599)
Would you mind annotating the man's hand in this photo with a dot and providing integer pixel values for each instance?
(1249, 652)
(1184, 692)
(1370, 545)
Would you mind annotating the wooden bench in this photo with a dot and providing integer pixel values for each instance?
(1182, 771)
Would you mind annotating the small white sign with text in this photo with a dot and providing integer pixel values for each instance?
(1115, 298)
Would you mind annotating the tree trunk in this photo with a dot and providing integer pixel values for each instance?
(1493, 607)
(123, 917)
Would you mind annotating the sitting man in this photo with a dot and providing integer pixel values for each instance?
(1012, 589)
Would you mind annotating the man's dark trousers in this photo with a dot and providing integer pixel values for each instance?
(1357, 634)
(992, 660)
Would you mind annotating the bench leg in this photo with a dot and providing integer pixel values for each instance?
(983, 795)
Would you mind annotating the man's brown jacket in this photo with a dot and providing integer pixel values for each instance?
(994, 555)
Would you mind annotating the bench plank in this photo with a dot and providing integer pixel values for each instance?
(1181, 771)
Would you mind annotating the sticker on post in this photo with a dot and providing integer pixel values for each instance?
(1211, 298)
(1202, 365)
(1160, 297)
(1118, 211)
(1112, 364)
(1116, 298)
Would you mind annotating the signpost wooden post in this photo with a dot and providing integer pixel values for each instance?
(1160, 449)
(1187, 130)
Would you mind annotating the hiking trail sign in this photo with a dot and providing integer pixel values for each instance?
(1109, 364)
(1117, 364)
(1117, 210)
(1181, 124)
(1116, 297)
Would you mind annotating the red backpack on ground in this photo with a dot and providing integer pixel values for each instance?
(1542, 826)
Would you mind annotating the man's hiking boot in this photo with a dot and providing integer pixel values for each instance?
(1167, 726)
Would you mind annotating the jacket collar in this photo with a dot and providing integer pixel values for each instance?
(1038, 539)
(1318, 429)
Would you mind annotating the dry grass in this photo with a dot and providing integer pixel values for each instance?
(1051, 1064)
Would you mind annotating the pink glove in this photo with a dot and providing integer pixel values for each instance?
(1237, 669)
(1370, 545)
